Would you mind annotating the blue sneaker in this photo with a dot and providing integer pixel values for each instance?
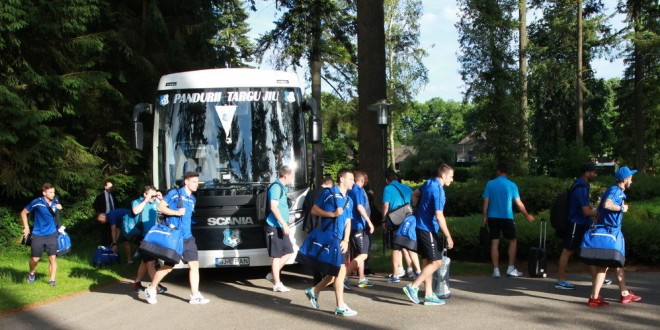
(346, 285)
(433, 301)
(31, 278)
(312, 298)
(51, 283)
(607, 282)
(562, 285)
(411, 293)
(393, 280)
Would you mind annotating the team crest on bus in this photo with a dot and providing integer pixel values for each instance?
(164, 100)
(232, 237)
(289, 97)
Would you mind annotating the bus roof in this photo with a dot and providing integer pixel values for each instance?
(228, 78)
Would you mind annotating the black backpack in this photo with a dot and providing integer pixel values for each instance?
(559, 210)
(262, 203)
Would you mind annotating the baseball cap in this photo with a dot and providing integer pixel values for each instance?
(588, 167)
(624, 173)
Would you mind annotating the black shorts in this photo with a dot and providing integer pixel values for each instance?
(189, 252)
(573, 235)
(506, 226)
(41, 244)
(428, 245)
(359, 242)
(277, 243)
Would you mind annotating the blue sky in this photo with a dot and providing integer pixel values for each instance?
(439, 37)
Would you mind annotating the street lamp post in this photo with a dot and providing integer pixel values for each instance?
(382, 109)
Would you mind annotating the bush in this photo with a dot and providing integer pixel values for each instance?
(640, 227)
(11, 228)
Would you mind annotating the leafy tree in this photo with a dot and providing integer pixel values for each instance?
(435, 115)
(320, 32)
(486, 33)
(639, 92)
(406, 73)
(431, 150)
(46, 66)
(552, 81)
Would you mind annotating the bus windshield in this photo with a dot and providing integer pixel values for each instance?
(230, 136)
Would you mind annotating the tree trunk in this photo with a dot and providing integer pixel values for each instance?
(371, 88)
(639, 120)
(522, 52)
(580, 110)
(315, 65)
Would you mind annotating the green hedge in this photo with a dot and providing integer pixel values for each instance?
(538, 193)
(641, 226)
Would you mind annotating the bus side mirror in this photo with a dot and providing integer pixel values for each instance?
(314, 120)
(138, 135)
(138, 130)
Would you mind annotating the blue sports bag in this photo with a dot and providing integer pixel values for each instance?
(603, 246)
(163, 242)
(406, 236)
(63, 244)
(321, 250)
(104, 256)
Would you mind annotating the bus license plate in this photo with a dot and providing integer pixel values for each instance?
(232, 262)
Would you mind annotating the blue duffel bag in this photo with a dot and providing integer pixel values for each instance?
(406, 234)
(321, 252)
(104, 256)
(163, 242)
(603, 246)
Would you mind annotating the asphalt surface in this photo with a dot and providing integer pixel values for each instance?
(244, 300)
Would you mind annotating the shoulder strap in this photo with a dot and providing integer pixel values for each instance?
(334, 200)
(55, 214)
(279, 184)
(400, 193)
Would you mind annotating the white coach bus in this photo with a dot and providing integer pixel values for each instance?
(236, 128)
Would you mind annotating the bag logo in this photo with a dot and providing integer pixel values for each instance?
(232, 237)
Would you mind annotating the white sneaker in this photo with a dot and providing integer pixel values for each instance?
(198, 299)
(151, 295)
(345, 311)
(279, 287)
(496, 273)
(402, 272)
(269, 277)
(513, 272)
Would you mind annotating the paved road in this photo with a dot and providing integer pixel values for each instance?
(237, 302)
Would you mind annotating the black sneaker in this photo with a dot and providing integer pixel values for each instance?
(138, 286)
(161, 289)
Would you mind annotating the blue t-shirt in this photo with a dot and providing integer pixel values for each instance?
(432, 198)
(500, 193)
(149, 214)
(578, 199)
(116, 216)
(392, 196)
(329, 201)
(607, 217)
(44, 222)
(184, 222)
(277, 191)
(359, 197)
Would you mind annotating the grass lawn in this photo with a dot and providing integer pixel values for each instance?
(74, 274)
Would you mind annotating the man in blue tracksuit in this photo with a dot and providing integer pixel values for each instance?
(44, 232)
